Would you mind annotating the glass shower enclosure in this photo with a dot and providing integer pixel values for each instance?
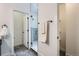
(34, 27)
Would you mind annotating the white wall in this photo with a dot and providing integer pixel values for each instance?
(6, 17)
(47, 12)
(72, 29)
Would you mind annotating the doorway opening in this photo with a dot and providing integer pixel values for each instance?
(62, 29)
(21, 34)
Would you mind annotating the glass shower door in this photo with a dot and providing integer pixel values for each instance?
(34, 33)
(33, 29)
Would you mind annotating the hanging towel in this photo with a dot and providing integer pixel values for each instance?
(3, 32)
(44, 32)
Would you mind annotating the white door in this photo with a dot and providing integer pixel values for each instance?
(47, 13)
(20, 29)
(18, 21)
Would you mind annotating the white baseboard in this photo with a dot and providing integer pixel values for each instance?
(67, 54)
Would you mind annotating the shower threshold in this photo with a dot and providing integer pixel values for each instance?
(34, 46)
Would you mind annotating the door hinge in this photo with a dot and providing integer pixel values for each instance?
(27, 42)
(27, 30)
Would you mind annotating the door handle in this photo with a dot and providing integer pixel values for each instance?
(57, 37)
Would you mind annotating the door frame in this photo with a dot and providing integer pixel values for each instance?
(58, 34)
(13, 26)
(26, 31)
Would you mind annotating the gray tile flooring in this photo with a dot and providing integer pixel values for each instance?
(23, 51)
(62, 53)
